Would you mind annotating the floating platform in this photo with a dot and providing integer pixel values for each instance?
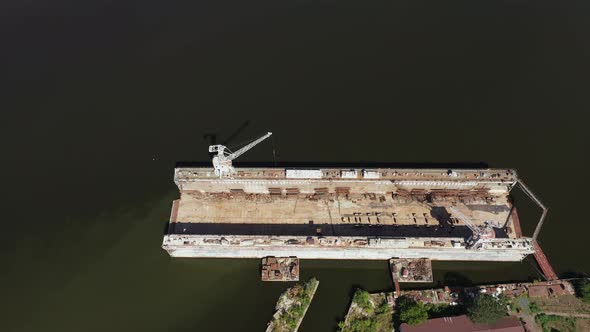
(280, 269)
(411, 270)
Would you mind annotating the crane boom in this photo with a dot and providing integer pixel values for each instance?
(247, 147)
(464, 219)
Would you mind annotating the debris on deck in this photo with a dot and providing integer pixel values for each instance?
(280, 269)
(411, 270)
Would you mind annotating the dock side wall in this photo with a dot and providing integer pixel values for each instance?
(342, 248)
(348, 253)
(380, 181)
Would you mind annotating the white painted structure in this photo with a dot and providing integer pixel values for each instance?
(341, 248)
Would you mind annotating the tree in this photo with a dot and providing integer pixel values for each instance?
(584, 291)
(485, 309)
(362, 299)
(363, 325)
(412, 312)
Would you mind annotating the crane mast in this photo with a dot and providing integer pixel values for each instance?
(222, 162)
(479, 232)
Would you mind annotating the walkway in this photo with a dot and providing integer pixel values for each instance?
(544, 262)
(398, 291)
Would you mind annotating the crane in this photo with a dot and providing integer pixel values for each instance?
(479, 232)
(222, 162)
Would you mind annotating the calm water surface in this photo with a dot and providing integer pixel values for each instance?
(101, 98)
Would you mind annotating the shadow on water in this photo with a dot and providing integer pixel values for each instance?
(574, 275)
(236, 133)
(212, 137)
(456, 279)
(167, 228)
(580, 279)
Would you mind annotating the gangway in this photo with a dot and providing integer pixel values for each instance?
(544, 262)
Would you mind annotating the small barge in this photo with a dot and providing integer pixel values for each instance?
(280, 269)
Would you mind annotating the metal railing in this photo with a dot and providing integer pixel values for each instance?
(535, 199)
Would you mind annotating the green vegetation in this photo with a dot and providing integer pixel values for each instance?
(514, 306)
(486, 309)
(565, 305)
(362, 299)
(583, 290)
(521, 305)
(443, 310)
(292, 305)
(368, 313)
(412, 312)
(556, 323)
(534, 308)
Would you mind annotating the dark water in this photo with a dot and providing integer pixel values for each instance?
(101, 98)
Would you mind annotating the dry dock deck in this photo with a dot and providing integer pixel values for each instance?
(369, 214)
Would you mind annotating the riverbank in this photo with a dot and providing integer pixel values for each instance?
(539, 306)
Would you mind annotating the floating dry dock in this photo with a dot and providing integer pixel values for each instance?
(335, 213)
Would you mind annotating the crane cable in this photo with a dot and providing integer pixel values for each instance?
(274, 156)
(240, 144)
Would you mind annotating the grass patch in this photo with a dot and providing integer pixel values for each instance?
(582, 288)
(534, 308)
(568, 304)
(556, 323)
